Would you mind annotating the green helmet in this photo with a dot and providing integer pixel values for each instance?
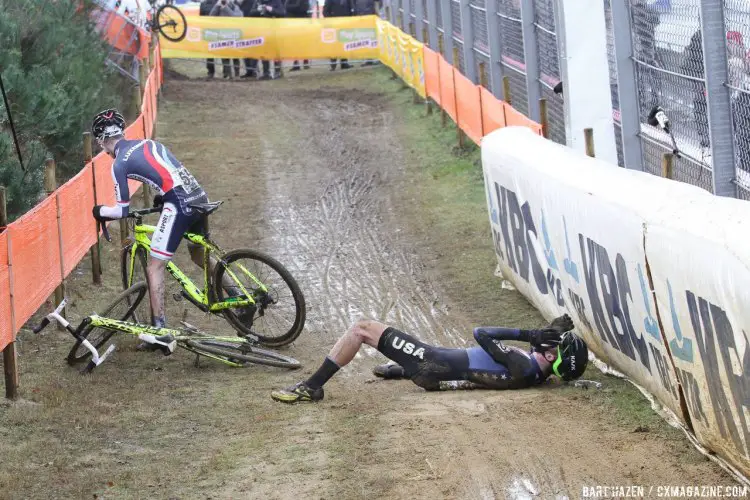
(572, 357)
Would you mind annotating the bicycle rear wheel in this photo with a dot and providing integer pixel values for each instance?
(171, 23)
(241, 351)
(279, 313)
(121, 308)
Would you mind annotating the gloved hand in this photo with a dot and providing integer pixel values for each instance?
(96, 212)
(544, 338)
(158, 200)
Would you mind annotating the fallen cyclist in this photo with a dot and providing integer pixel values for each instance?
(555, 349)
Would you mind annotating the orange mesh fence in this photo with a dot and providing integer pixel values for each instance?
(75, 199)
(6, 325)
(514, 118)
(493, 112)
(469, 107)
(432, 74)
(125, 36)
(35, 258)
(105, 185)
(135, 130)
(447, 91)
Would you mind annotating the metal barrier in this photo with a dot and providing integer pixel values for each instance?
(690, 57)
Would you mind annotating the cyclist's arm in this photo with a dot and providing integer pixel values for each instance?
(122, 193)
(517, 362)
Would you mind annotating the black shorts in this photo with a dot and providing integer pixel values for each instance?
(424, 364)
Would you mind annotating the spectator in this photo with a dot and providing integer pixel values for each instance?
(365, 8)
(205, 10)
(298, 9)
(268, 8)
(693, 66)
(227, 8)
(338, 8)
(251, 65)
(645, 20)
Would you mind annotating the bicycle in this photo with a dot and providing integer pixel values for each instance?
(167, 16)
(249, 301)
(95, 331)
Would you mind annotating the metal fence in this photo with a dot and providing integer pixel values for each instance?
(690, 57)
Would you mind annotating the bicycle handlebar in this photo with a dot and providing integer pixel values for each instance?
(133, 214)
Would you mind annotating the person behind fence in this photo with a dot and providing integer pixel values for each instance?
(273, 9)
(491, 365)
(298, 9)
(205, 10)
(338, 8)
(228, 8)
(251, 65)
(693, 66)
(365, 8)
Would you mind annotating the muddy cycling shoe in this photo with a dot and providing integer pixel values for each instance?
(389, 371)
(297, 393)
(166, 343)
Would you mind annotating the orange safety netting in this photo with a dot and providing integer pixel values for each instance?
(432, 74)
(447, 90)
(469, 107)
(123, 35)
(105, 185)
(6, 325)
(493, 112)
(75, 199)
(35, 258)
(135, 130)
(515, 118)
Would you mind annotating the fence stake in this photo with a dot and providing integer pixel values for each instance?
(506, 90)
(544, 117)
(96, 263)
(136, 100)
(459, 132)
(588, 134)
(426, 38)
(667, 165)
(9, 353)
(441, 49)
(388, 13)
(50, 185)
(483, 80)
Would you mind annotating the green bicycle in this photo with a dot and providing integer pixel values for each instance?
(95, 332)
(257, 296)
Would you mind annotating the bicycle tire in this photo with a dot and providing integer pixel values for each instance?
(170, 11)
(299, 299)
(131, 298)
(244, 352)
(128, 281)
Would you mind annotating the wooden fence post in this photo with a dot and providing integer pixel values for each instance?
(96, 263)
(588, 135)
(506, 90)
(483, 80)
(544, 117)
(667, 165)
(9, 353)
(50, 185)
(441, 49)
(426, 38)
(460, 133)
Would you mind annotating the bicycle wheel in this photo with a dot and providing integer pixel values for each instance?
(121, 308)
(279, 313)
(242, 351)
(171, 23)
(138, 273)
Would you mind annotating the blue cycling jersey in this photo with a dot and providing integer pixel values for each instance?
(152, 163)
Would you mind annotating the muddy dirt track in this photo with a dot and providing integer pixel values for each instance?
(317, 171)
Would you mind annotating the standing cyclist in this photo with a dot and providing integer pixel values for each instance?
(151, 162)
(491, 365)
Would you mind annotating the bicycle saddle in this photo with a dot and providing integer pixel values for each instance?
(206, 208)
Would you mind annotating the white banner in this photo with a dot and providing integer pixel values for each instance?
(578, 235)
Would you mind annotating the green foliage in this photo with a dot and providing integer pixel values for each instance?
(53, 67)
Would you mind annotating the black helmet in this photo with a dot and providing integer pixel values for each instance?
(572, 357)
(107, 123)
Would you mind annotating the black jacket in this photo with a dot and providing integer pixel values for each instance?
(363, 7)
(297, 8)
(337, 8)
(251, 8)
(206, 6)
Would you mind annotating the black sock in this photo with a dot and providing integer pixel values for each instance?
(327, 370)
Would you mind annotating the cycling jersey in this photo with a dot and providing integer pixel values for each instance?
(493, 367)
(152, 163)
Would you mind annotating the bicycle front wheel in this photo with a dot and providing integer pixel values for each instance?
(121, 308)
(244, 353)
(171, 23)
(279, 313)
(133, 270)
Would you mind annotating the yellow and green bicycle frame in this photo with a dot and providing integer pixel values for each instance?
(200, 298)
